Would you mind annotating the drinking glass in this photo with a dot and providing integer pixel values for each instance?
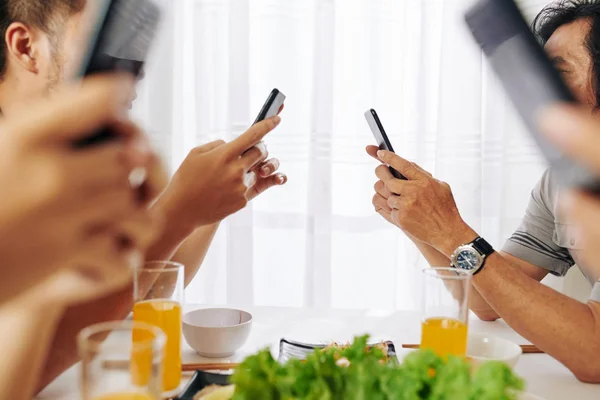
(444, 327)
(158, 296)
(109, 350)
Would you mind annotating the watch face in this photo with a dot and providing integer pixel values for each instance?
(468, 259)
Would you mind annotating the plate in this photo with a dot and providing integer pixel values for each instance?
(289, 349)
(199, 381)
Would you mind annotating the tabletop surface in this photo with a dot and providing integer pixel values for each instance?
(545, 377)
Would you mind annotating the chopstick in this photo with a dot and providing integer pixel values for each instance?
(527, 348)
(208, 367)
(184, 368)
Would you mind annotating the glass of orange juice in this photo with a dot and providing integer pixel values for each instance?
(158, 295)
(121, 361)
(444, 327)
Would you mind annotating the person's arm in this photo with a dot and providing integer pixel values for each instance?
(562, 327)
(191, 200)
(477, 303)
(193, 251)
(27, 329)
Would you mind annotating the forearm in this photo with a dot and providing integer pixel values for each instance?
(477, 303)
(114, 307)
(63, 353)
(562, 327)
(27, 332)
(175, 231)
(193, 251)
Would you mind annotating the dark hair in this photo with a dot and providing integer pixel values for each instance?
(41, 14)
(564, 12)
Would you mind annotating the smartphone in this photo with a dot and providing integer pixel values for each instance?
(271, 106)
(528, 76)
(381, 137)
(121, 40)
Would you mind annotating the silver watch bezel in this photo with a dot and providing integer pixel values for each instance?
(467, 247)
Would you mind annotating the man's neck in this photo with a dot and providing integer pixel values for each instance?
(14, 94)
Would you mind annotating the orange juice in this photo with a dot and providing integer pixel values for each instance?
(165, 314)
(125, 396)
(445, 336)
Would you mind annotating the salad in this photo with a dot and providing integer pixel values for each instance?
(361, 372)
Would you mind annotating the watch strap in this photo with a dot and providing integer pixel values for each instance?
(482, 246)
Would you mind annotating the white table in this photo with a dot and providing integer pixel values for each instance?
(545, 377)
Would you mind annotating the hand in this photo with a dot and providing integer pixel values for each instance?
(218, 179)
(66, 208)
(422, 206)
(266, 178)
(575, 131)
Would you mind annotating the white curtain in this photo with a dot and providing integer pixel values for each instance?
(317, 241)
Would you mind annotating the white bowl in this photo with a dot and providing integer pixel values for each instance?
(217, 332)
(482, 347)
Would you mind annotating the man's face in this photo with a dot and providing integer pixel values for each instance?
(568, 50)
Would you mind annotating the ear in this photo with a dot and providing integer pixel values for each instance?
(21, 46)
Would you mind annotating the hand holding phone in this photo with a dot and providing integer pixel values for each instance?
(272, 106)
(381, 137)
(528, 76)
(120, 42)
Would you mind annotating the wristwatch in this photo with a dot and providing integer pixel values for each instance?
(471, 257)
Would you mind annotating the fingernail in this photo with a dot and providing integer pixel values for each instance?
(560, 123)
(137, 177)
(281, 179)
(266, 171)
(276, 120)
(381, 154)
(262, 147)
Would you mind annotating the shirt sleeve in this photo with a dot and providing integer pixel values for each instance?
(533, 240)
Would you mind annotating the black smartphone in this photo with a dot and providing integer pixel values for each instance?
(271, 106)
(528, 76)
(381, 137)
(121, 40)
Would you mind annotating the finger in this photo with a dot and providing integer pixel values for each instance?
(250, 179)
(264, 184)
(575, 131)
(157, 179)
(139, 230)
(281, 109)
(208, 147)
(403, 166)
(397, 186)
(103, 267)
(76, 112)
(251, 137)
(383, 173)
(394, 202)
(386, 215)
(254, 156)
(381, 203)
(105, 208)
(372, 151)
(268, 167)
(106, 166)
(382, 190)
